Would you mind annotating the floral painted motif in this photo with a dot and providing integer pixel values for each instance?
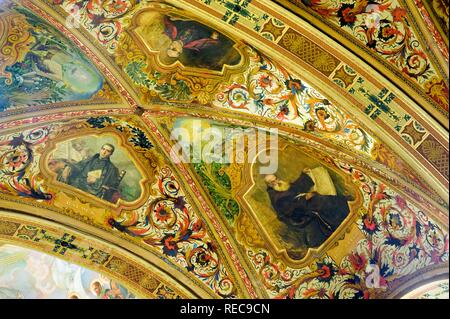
(152, 82)
(17, 162)
(399, 240)
(103, 19)
(435, 290)
(107, 21)
(384, 27)
(169, 223)
(166, 221)
(271, 91)
(39, 66)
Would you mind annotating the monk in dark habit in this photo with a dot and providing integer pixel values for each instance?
(309, 216)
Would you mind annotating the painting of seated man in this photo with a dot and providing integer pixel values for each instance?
(191, 43)
(104, 288)
(305, 202)
(97, 166)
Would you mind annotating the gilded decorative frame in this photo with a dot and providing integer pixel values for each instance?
(245, 188)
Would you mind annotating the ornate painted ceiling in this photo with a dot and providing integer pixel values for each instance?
(108, 108)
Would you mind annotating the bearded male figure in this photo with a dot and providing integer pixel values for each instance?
(309, 216)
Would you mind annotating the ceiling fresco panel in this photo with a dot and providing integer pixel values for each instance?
(27, 274)
(39, 66)
(224, 149)
(272, 92)
(378, 226)
(155, 82)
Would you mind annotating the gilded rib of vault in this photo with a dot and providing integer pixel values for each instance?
(359, 99)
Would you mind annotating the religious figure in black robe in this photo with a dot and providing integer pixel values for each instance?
(309, 216)
(96, 175)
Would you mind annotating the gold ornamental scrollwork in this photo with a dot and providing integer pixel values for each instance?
(203, 82)
(77, 202)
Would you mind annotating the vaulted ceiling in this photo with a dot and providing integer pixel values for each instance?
(355, 91)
